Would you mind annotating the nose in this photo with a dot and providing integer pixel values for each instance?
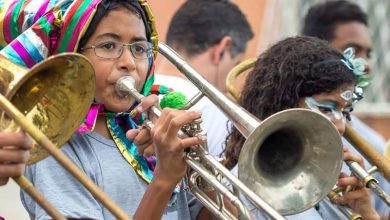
(367, 68)
(126, 61)
(340, 125)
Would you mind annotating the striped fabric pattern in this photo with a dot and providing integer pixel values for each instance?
(18, 16)
(31, 32)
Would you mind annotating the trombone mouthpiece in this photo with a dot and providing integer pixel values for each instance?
(125, 85)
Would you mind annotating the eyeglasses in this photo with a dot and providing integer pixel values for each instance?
(113, 50)
(328, 109)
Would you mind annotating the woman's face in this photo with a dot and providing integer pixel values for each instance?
(118, 27)
(335, 105)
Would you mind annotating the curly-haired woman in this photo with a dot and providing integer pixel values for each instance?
(305, 72)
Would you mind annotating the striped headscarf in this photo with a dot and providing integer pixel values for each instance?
(33, 30)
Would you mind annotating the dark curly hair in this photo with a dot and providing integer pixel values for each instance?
(321, 19)
(293, 68)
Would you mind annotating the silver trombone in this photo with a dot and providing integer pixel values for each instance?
(290, 129)
(368, 180)
(381, 163)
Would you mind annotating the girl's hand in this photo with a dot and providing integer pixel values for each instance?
(359, 199)
(141, 136)
(14, 152)
(169, 148)
(142, 139)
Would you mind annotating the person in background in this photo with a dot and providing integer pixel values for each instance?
(344, 24)
(211, 36)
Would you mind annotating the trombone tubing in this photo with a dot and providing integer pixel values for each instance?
(126, 85)
(245, 124)
(41, 139)
(369, 152)
(368, 180)
(27, 186)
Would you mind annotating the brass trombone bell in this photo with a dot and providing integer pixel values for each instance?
(56, 100)
(55, 97)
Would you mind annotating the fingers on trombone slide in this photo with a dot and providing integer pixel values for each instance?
(14, 153)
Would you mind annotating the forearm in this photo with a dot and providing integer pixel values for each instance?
(155, 200)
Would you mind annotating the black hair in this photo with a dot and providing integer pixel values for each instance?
(200, 24)
(291, 69)
(321, 19)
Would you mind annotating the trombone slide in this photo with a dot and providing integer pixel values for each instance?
(368, 180)
(375, 158)
(27, 186)
(43, 141)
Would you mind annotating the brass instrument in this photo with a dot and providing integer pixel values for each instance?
(283, 126)
(387, 150)
(235, 72)
(49, 102)
(344, 209)
(382, 164)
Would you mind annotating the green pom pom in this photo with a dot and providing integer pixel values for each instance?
(174, 100)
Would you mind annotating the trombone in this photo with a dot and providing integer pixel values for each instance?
(381, 163)
(284, 125)
(39, 102)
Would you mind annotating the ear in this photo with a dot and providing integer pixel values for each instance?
(219, 50)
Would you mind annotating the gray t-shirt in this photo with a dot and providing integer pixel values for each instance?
(101, 160)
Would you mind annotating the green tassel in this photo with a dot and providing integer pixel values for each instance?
(174, 99)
